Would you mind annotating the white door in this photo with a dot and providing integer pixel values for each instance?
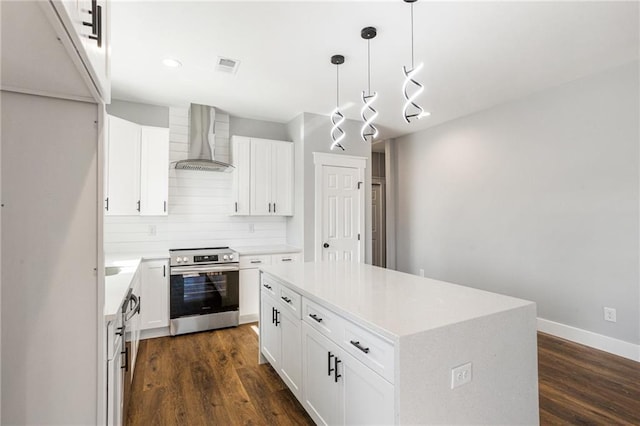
(321, 393)
(368, 398)
(261, 203)
(342, 229)
(124, 167)
(282, 178)
(270, 332)
(291, 362)
(155, 294)
(154, 170)
(241, 158)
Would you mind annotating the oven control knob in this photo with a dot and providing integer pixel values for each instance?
(225, 257)
(185, 259)
(178, 259)
(230, 257)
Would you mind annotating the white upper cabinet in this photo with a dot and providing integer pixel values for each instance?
(263, 181)
(154, 170)
(137, 171)
(241, 156)
(88, 26)
(123, 168)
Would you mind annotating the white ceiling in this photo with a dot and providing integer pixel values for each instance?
(476, 54)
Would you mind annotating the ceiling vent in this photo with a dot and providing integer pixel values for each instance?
(227, 65)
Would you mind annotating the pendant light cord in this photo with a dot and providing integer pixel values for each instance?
(412, 65)
(369, 66)
(337, 87)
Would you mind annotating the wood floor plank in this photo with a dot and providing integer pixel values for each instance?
(213, 378)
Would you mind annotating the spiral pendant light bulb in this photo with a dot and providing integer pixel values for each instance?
(368, 113)
(368, 129)
(337, 134)
(337, 118)
(411, 108)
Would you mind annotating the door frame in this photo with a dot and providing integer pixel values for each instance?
(383, 222)
(321, 159)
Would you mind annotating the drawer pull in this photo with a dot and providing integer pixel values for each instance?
(286, 299)
(315, 317)
(287, 259)
(359, 346)
(329, 369)
(256, 261)
(336, 376)
(267, 286)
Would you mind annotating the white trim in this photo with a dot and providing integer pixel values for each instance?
(390, 205)
(247, 319)
(321, 159)
(153, 333)
(591, 339)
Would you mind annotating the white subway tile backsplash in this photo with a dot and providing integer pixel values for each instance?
(199, 206)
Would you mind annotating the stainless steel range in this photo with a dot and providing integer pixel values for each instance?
(204, 291)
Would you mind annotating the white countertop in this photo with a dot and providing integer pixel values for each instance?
(272, 249)
(116, 286)
(392, 303)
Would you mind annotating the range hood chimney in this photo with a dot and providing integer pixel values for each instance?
(202, 142)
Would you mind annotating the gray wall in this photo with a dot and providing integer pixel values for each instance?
(50, 254)
(537, 199)
(257, 128)
(144, 114)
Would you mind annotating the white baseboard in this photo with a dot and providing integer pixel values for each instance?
(154, 332)
(244, 319)
(591, 339)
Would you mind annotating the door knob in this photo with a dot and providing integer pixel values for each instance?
(325, 245)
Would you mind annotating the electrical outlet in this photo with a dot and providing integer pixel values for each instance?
(461, 375)
(609, 314)
(152, 230)
(252, 228)
(422, 272)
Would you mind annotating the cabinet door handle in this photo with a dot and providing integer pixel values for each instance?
(164, 270)
(256, 261)
(126, 358)
(277, 320)
(273, 315)
(98, 34)
(336, 376)
(359, 346)
(106, 207)
(94, 18)
(286, 299)
(120, 331)
(274, 207)
(236, 207)
(165, 206)
(315, 317)
(138, 206)
(269, 207)
(286, 259)
(267, 286)
(329, 369)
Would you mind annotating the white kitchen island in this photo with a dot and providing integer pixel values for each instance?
(358, 344)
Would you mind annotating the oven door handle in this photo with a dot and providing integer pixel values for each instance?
(179, 270)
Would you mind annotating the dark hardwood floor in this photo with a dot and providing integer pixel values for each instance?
(213, 378)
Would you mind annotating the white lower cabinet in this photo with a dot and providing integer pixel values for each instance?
(281, 340)
(340, 390)
(115, 374)
(338, 381)
(154, 296)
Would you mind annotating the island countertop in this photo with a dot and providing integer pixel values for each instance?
(395, 304)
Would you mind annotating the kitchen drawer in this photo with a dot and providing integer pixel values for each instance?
(290, 299)
(277, 259)
(323, 320)
(270, 286)
(372, 350)
(254, 261)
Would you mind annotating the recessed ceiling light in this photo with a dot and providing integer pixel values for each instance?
(172, 63)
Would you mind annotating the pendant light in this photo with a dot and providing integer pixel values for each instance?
(337, 134)
(368, 130)
(411, 109)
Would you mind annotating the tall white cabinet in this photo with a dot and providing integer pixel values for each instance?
(263, 179)
(137, 171)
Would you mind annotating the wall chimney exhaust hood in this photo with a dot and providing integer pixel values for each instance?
(202, 142)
